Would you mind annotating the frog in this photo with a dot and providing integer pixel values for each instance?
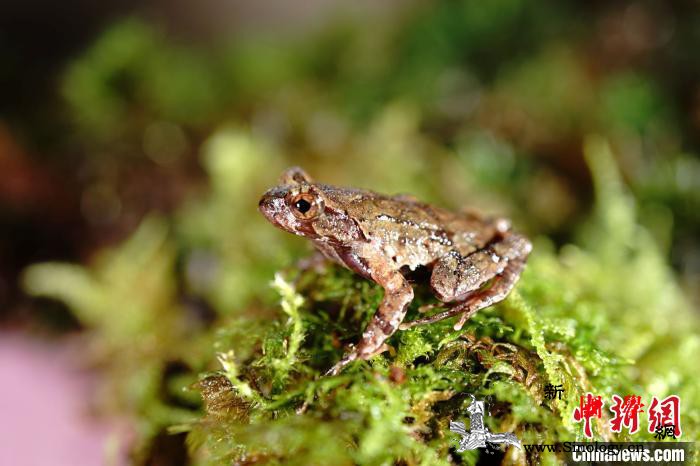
(474, 261)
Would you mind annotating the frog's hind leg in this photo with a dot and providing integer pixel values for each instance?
(500, 288)
(459, 279)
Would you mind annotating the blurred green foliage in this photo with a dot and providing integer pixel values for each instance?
(446, 104)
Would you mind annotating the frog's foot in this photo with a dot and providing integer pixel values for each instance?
(360, 353)
(338, 367)
(502, 284)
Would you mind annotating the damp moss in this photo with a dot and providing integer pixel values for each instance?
(602, 315)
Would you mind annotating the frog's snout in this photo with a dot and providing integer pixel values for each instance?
(265, 206)
(271, 207)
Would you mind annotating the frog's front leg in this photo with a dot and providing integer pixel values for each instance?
(457, 278)
(397, 296)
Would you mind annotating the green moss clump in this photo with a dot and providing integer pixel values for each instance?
(603, 316)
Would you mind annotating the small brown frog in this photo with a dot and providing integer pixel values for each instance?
(382, 237)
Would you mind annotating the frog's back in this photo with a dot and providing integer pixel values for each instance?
(415, 232)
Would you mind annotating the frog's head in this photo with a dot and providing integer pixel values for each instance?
(295, 204)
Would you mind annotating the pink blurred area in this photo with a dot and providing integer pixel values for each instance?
(44, 406)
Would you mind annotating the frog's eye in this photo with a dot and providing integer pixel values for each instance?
(302, 205)
(305, 206)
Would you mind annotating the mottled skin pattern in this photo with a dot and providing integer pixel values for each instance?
(381, 237)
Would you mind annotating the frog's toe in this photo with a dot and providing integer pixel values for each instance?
(340, 365)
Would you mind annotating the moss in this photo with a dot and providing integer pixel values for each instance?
(602, 316)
